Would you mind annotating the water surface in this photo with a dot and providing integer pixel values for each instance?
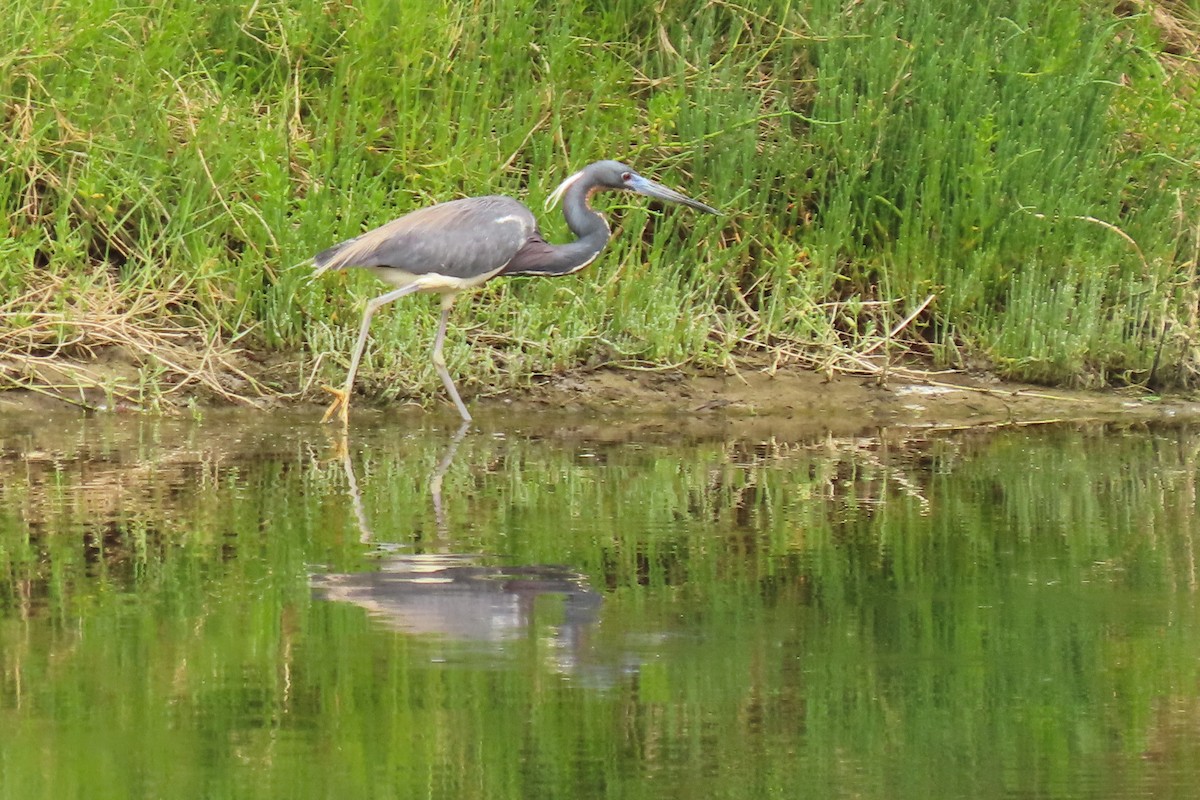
(252, 607)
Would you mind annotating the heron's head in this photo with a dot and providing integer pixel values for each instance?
(617, 176)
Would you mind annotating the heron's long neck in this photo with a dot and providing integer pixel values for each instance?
(581, 219)
(540, 258)
(589, 227)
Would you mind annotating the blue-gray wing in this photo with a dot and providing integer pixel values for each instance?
(461, 239)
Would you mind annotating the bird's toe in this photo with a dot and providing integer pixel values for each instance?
(340, 403)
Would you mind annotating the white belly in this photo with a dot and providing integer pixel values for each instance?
(431, 282)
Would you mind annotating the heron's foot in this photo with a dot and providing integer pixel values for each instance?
(339, 406)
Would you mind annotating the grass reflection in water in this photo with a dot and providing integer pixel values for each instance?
(629, 612)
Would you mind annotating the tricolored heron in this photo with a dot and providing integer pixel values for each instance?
(450, 247)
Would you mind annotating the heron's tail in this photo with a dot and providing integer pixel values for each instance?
(327, 260)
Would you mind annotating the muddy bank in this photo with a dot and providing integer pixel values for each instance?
(788, 398)
(839, 404)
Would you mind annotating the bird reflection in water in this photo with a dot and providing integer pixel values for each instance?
(459, 597)
(454, 597)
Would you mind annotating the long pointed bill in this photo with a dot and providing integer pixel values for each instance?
(659, 192)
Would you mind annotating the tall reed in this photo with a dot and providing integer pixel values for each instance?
(1030, 166)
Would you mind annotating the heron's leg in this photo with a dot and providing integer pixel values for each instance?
(341, 397)
(439, 361)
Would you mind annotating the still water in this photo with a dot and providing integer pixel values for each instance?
(251, 607)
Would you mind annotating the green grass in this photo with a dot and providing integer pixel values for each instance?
(1031, 165)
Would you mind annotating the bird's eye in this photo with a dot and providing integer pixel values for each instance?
(626, 176)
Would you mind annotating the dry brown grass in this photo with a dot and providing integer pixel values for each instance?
(1178, 22)
(99, 346)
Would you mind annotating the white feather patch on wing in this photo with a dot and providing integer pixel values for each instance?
(557, 194)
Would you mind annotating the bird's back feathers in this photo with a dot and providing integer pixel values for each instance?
(460, 239)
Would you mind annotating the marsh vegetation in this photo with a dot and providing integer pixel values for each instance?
(1007, 185)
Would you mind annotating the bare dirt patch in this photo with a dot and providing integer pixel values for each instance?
(843, 403)
(790, 397)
